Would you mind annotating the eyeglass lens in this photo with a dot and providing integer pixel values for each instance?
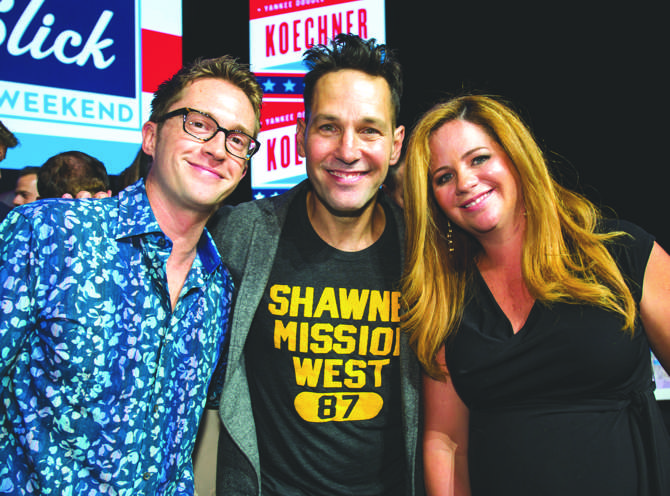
(204, 128)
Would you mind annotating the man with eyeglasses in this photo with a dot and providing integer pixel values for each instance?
(115, 311)
(321, 394)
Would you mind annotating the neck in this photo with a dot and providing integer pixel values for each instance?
(502, 253)
(184, 227)
(346, 232)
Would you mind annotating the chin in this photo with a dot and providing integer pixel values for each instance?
(344, 210)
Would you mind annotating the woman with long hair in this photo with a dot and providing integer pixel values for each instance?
(532, 315)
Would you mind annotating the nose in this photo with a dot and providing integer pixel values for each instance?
(216, 147)
(466, 180)
(348, 150)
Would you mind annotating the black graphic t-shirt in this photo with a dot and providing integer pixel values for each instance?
(323, 366)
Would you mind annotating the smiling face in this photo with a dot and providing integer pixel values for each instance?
(349, 141)
(186, 173)
(474, 181)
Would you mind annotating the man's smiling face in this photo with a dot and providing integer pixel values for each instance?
(349, 140)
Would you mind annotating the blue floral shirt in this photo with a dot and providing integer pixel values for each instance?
(102, 384)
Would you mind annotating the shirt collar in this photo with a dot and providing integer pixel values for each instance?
(137, 219)
(135, 214)
(209, 255)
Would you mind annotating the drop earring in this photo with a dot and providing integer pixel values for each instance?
(450, 237)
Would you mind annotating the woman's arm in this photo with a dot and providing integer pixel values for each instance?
(655, 304)
(445, 438)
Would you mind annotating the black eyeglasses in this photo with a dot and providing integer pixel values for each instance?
(203, 127)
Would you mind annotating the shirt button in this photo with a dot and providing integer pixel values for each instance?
(146, 476)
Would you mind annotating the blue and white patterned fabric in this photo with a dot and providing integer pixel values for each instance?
(102, 384)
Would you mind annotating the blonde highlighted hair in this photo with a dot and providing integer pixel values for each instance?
(564, 258)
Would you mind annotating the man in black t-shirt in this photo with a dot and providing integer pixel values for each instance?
(321, 394)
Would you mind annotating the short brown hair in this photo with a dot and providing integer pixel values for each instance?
(224, 67)
(349, 51)
(71, 172)
(6, 137)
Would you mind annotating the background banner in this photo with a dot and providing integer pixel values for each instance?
(79, 75)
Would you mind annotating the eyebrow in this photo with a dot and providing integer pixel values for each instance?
(241, 128)
(467, 153)
(333, 118)
(470, 152)
(235, 127)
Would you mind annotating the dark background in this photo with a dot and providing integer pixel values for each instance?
(590, 83)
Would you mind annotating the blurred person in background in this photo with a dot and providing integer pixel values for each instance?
(73, 174)
(26, 186)
(7, 140)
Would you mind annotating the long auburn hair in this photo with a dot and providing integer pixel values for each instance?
(564, 257)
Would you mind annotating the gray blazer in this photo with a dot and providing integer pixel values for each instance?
(247, 237)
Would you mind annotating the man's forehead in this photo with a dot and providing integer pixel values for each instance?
(351, 78)
(338, 90)
(27, 178)
(220, 99)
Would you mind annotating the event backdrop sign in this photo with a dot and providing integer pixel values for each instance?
(279, 33)
(79, 75)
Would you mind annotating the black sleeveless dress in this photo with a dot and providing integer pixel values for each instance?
(565, 406)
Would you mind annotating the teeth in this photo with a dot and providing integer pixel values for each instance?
(345, 175)
(477, 201)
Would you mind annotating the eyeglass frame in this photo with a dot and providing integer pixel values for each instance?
(184, 111)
